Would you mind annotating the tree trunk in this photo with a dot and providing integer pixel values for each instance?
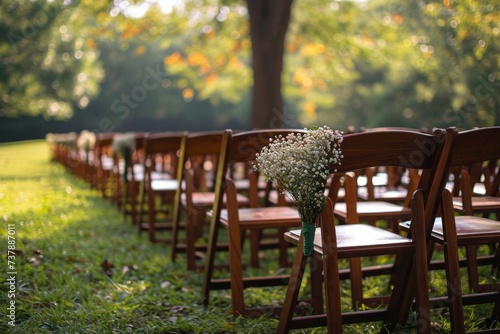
(268, 25)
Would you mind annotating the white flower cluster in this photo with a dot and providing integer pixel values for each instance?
(300, 164)
(123, 143)
(86, 140)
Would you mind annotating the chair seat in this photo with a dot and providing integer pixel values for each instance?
(107, 163)
(359, 240)
(164, 185)
(469, 229)
(161, 176)
(280, 216)
(479, 203)
(372, 208)
(206, 199)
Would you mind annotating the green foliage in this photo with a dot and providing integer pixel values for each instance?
(48, 67)
(214, 57)
(375, 63)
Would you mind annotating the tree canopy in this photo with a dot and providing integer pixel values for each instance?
(189, 64)
(48, 65)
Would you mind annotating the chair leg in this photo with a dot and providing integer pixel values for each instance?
(255, 237)
(213, 237)
(495, 314)
(356, 278)
(151, 216)
(236, 269)
(472, 271)
(452, 268)
(193, 219)
(133, 202)
(175, 233)
(420, 264)
(283, 249)
(495, 269)
(454, 290)
(293, 289)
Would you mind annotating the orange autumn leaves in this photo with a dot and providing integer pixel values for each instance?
(207, 69)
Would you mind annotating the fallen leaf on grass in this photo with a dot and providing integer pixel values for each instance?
(107, 267)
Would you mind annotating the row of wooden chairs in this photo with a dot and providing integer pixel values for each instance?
(437, 157)
(236, 204)
(165, 183)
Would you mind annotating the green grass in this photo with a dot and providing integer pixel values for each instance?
(80, 268)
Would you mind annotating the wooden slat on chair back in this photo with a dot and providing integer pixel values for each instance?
(245, 145)
(163, 142)
(199, 144)
(103, 142)
(476, 145)
(203, 143)
(378, 148)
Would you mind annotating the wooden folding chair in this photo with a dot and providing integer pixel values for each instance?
(453, 232)
(103, 163)
(160, 183)
(127, 176)
(243, 147)
(352, 210)
(198, 151)
(469, 147)
(354, 241)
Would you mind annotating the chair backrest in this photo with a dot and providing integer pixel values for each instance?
(401, 148)
(197, 149)
(163, 143)
(478, 151)
(103, 143)
(194, 145)
(242, 147)
(363, 129)
(476, 145)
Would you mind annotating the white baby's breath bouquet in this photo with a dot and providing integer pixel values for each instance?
(300, 165)
(123, 144)
(86, 141)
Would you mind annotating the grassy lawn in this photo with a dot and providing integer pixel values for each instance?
(81, 268)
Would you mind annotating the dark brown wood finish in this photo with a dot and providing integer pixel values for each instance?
(243, 147)
(470, 147)
(408, 149)
(159, 182)
(192, 203)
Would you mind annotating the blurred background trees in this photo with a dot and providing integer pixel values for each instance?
(160, 65)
